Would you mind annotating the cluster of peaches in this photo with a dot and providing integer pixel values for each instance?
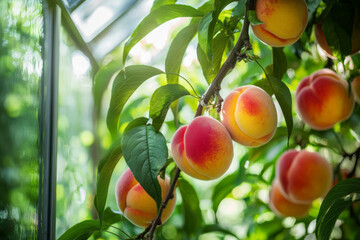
(204, 149)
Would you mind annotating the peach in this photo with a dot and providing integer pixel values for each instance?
(355, 42)
(136, 204)
(203, 149)
(303, 176)
(323, 99)
(249, 114)
(283, 21)
(355, 86)
(284, 207)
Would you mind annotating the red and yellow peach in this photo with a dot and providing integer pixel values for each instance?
(249, 114)
(283, 21)
(203, 149)
(323, 99)
(284, 207)
(303, 176)
(136, 204)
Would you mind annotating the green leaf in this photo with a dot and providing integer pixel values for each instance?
(207, 27)
(128, 112)
(85, 229)
(217, 228)
(239, 10)
(145, 153)
(111, 217)
(337, 27)
(205, 35)
(191, 206)
(105, 170)
(220, 42)
(312, 6)
(253, 19)
(226, 185)
(155, 19)
(159, 3)
(205, 64)
(125, 84)
(279, 62)
(161, 100)
(340, 197)
(177, 51)
(102, 79)
(81, 231)
(283, 96)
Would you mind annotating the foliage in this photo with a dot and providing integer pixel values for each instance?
(21, 27)
(236, 205)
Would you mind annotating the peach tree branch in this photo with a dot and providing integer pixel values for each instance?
(228, 65)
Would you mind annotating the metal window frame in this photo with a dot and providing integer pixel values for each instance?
(48, 121)
(54, 14)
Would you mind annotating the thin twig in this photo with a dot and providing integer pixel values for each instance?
(230, 62)
(228, 65)
(142, 235)
(169, 195)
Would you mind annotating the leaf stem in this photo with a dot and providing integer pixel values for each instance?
(197, 95)
(113, 234)
(213, 89)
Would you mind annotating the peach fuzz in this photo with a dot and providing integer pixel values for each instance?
(283, 21)
(284, 207)
(303, 176)
(136, 204)
(203, 149)
(249, 114)
(355, 86)
(323, 99)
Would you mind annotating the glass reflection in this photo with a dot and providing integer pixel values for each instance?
(21, 27)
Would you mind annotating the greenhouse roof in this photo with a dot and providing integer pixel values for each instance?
(99, 26)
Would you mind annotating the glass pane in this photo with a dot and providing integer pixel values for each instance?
(75, 170)
(92, 16)
(21, 27)
(111, 37)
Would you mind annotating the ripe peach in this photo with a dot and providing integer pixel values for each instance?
(284, 207)
(321, 40)
(283, 21)
(136, 204)
(249, 115)
(203, 149)
(355, 86)
(323, 99)
(303, 176)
